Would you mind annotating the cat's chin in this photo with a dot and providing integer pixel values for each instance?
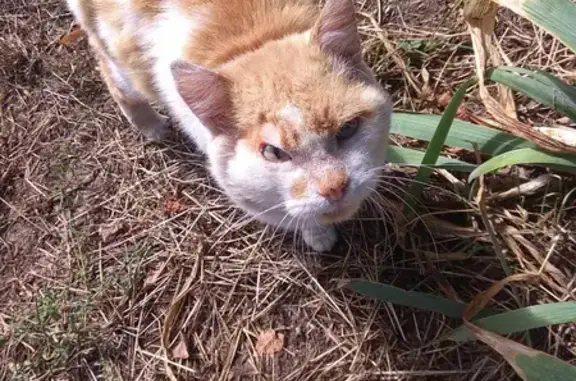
(339, 215)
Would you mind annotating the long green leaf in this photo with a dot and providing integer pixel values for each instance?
(434, 147)
(412, 158)
(529, 364)
(519, 320)
(554, 16)
(540, 86)
(542, 367)
(419, 300)
(462, 134)
(525, 156)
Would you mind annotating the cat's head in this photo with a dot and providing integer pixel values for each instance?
(300, 125)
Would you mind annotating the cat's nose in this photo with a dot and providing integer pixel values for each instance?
(334, 190)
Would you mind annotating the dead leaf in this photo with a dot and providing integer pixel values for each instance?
(482, 299)
(72, 37)
(507, 348)
(172, 206)
(444, 99)
(527, 188)
(427, 91)
(269, 342)
(563, 134)
(154, 275)
(111, 230)
(462, 113)
(480, 16)
(180, 351)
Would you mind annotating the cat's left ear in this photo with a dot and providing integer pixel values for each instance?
(207, 94)
(336, 31)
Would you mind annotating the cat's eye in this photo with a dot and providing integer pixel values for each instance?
(348, 130)
(271, 153)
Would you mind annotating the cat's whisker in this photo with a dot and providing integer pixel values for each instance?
(412, 180)
(250, 218)
(414, 212)
(279, 226)
(401, 192)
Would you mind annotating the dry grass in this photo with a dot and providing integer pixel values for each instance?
(100, 232)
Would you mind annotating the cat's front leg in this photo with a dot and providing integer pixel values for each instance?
(320, 238)
(134, 106)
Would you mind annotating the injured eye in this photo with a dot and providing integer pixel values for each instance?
(348, 130)
(274, 154)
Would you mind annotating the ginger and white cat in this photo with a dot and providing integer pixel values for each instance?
(274, 92)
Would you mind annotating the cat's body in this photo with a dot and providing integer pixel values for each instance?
(274, 92)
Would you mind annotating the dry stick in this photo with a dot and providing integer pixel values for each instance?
(382, 36)
(487, 222)
(174, 309)
(555, 242)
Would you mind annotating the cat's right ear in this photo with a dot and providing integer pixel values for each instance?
(336, 31)
(207, 93)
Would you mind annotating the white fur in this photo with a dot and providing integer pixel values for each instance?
(292, 114)
(74, 6)
(167, 38)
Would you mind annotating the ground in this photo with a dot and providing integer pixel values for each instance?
(121, 260)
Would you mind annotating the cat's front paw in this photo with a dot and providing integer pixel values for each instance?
(320, 238)
(157, 130)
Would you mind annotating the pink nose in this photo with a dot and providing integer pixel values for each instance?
(334, 191)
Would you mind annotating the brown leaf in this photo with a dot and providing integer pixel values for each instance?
(480, 16)
(72, 37)
(153, 275)
(509, 349)
(563, 134)
(444, 99)
(482, 299)
(172, 206)
(269, 343)
(180, 351)
(462, 113)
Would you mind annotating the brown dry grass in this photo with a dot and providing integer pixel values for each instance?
(100, 232)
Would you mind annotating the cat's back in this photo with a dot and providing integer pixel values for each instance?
(140, 38)
(208, 32)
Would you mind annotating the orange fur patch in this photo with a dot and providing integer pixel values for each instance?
(235, 27)
(292, 71)
(262, 46)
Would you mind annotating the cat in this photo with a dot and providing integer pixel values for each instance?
(275, 93)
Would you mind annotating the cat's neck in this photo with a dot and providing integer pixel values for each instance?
(237, 27)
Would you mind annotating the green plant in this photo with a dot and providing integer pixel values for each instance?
(556, 17)
(488, 325)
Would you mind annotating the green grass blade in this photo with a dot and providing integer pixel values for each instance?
(419, 300)
(462, 134)
(519, 320)
(540, 86)
(554, 16)
(529, 364)
(525, 156)
(542, 367)
(435, 146)
(412, 158)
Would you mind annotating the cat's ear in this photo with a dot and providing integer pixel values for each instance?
(336, 31)
(207, 93)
